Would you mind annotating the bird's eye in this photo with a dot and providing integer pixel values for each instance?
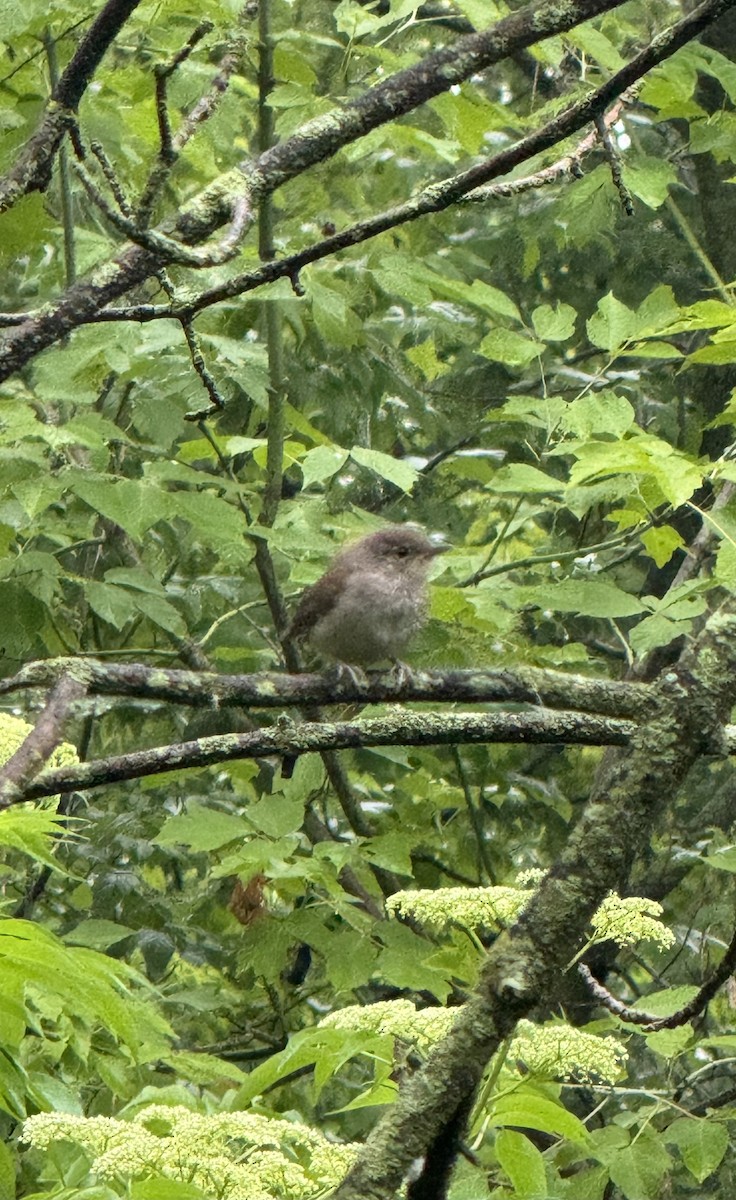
(402, 551)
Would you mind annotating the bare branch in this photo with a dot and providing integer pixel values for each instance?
(318, 140)
(651, 1024)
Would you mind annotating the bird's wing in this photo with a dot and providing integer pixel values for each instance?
(315, 602)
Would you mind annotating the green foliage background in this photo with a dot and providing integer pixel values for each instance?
(539, 376)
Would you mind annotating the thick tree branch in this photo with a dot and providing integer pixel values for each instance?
(206, 689)
(43, 738)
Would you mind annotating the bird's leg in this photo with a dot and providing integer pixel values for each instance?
(402, 672)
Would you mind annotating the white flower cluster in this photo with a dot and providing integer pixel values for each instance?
(231, 1156)
(475, 908)
(560, 1051)
(629, 920)
(13, 733)
(399, 1018)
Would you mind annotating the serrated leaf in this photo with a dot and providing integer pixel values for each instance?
(32, 832)
(132, 504)
(612, 324)
(661, 543)
(554, 324)
(639, 1169)
(600, 413)
(586, 597)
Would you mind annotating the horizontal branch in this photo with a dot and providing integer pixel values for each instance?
(525, 685)
(289, 739)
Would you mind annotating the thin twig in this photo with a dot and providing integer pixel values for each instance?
(651, 1023)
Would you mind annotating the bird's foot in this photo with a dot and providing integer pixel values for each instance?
(344, 674)
(401, 672)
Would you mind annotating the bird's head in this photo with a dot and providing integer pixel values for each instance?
(399, 548)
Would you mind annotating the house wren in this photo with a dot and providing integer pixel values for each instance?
(372, 600)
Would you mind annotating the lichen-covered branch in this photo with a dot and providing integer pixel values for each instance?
(287, 739)
(530, 685)
(43, 739)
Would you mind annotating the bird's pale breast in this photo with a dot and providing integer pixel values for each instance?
(374, 617)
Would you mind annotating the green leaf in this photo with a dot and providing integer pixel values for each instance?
(202, 828)
(523, 1164)
(131, 503)
(7, 1173)
(554, 324)
(277, 816)
(612, 324)
(600, 413)
(424, 356)
(403, 962)
(650, 179)
(525, 480)
(723, 859)
(393, 469)
(586, 597)
(115, 605)
(640, 1169)
(32, 832)
(531, 1111)
(97, 934)
(322, 463)
(161, 1188)
(661, 543)
(333, 316)
(513, 349)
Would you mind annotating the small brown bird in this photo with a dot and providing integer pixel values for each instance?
(372, 600)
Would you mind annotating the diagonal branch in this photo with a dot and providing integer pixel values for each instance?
(86, 302)
(32, 171)
(318, 140)
(526, 964)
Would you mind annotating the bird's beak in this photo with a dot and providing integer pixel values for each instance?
(439, 548)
